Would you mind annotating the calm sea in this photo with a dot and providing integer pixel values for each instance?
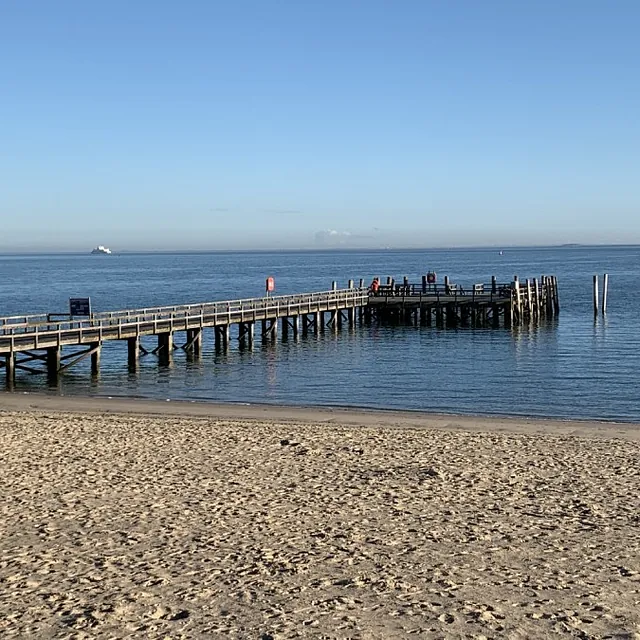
(573, 367)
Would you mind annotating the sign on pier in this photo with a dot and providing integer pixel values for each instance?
(80, 307)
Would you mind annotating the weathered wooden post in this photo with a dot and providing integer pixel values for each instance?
(494, 285)
(595, 295)
(53, 362)
(529, 300)
(350, 284)
(536, 298)
(133, 352)
(516, 294)
(424, 284)
(10, 369)
(165, 347)
(556, 299)
(605, 291)
(334, 286)
(95, 358)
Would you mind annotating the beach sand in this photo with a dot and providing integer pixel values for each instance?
(155, 520)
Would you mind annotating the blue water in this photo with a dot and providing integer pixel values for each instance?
(571, 367)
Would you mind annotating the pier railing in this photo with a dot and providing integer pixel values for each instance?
(486, 292)
(275, 306)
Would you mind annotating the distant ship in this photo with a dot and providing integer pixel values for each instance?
(101, 250)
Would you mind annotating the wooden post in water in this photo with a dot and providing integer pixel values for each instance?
(556, 299)
(549, 296)
(536, 298)
(53, 362)
(95, 358)
(133, 352)
(605, 291)
(595, 295)
(10, 369)
(494, 285)
(165, 347)
(516, 294)
(529, 300)
(334, 286)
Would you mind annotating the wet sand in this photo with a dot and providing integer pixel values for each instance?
(149, 519)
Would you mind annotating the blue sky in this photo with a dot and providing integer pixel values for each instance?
(205, 124)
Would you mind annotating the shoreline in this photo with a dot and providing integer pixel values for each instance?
(306, 414)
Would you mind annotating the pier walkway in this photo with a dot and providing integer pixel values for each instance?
(34, 343)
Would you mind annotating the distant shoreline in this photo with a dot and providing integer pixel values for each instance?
(310, 249)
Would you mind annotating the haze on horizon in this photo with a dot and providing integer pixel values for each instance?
(208, 125)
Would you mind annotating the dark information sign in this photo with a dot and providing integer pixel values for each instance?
(80, 306)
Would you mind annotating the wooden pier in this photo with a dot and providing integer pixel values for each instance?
(479, 305)
(34, 344)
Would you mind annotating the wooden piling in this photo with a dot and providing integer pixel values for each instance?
(196, 342)
(517, 311)
(494, 285)
(133, 352)
(550, 296)
(536, 299)
(529, 300)
(165, 347)
(285, 327)
(95, 358)
(595, 295)
(53, 362)
(605, 291)
(10, 369)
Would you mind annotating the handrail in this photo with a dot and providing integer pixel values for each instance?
(46, 318)
(160, 314)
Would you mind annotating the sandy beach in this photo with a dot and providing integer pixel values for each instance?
(145, 519)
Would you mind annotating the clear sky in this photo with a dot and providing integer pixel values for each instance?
(203, 124)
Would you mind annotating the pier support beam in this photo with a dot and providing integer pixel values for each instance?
(285, 328)
(10, 369)
(194, 342)
(495, 314)
(133, 352)
(222, 336)
(165, 347)
(295, 325)
(53, 362)
(95, 358)
(245, 334)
